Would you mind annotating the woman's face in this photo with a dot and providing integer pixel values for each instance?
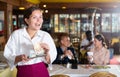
(97, 43)
(35, 20)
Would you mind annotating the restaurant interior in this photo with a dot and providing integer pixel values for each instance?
(74, 17)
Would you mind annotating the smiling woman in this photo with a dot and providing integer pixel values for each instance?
(23, 41)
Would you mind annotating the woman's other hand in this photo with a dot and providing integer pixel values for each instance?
(22, 57)
(90, 58)
(45, 47)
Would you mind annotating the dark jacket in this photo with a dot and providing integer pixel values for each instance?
(65, 60)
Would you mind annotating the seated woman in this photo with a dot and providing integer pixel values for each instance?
(101, 55)
(65, 53)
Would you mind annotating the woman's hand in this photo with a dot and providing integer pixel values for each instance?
(47, 57)
(46, 50)
(90, 59)
(45, 47)
(22, 57)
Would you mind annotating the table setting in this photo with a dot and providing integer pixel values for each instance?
(85, 70)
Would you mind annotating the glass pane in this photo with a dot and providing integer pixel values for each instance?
(64, 23)
(97, 22)
(55, 20)
(1, 22)
(14, 22)
(74, 24)
(115, 22)
(20, 21)
(106, 22)
(69, 23)
(84, 22)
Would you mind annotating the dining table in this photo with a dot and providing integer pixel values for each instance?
(83, 70)
(80, 71)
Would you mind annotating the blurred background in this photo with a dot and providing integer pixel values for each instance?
(74, 17)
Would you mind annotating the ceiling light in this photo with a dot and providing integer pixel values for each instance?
(44, 5)
(46, 11)
(63, 7)
(21, 8)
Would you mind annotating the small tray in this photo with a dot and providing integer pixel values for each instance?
(40, 55)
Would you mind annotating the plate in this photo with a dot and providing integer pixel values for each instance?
(102, 74)
(101, 67)
(36, 56)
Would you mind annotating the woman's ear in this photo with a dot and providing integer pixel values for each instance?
(101, 41)
(26, 20)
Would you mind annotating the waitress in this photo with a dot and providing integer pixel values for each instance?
(24, 45)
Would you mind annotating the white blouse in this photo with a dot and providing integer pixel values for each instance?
(20, 43)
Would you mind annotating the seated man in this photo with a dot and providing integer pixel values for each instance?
(65, 53)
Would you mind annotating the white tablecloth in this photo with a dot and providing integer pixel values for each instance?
(82, 71)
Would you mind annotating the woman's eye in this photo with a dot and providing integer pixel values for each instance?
(41, 16)
(37, 17)
(33, 17)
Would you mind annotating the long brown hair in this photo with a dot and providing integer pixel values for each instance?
(101, 38)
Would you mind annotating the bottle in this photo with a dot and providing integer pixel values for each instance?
(74, 64)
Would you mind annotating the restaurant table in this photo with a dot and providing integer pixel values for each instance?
(83, 70)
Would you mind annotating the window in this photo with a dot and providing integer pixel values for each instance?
(116, 22)
(1, 22)
(106, 22)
